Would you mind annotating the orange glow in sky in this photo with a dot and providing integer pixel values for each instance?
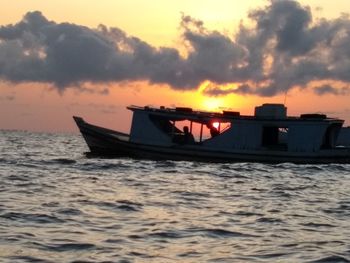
(39, 107)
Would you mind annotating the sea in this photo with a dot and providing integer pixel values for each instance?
(58, 205)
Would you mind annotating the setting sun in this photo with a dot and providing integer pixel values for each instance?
(206, 102)
(212, 104)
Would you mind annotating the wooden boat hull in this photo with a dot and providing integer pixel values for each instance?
(109, 143)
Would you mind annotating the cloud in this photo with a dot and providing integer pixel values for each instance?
(284, 49)
(39, 50)
(328, 89)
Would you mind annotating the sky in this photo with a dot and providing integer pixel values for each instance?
(93, 58)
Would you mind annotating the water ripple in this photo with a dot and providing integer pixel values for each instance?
(331, 259)
(35, 218)
(58, 205)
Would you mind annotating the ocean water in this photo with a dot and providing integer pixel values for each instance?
(57, 205)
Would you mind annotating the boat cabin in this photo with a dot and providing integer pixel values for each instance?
(269, 129)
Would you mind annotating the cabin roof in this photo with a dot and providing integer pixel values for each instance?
(225, 116)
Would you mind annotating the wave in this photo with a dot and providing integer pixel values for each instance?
(58, 206)
(35, 218)
(331, 259)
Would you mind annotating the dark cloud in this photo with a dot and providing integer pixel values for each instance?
(328, 89)
(285, 48)
(217, 91)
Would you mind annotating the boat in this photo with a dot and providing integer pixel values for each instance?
(344, 136)
(268, 136)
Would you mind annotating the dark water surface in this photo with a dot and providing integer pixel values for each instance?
(56, 205)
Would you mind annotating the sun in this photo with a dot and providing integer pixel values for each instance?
(230, 101)
(212, 104)
(208, 103)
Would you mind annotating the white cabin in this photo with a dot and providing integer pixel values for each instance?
(269, 129)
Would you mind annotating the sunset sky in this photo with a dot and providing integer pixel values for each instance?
(93, 58)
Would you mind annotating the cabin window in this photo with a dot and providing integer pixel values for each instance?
(274, 137)
(199, 130)
(180, 130)
(164, 124)
(185, 132)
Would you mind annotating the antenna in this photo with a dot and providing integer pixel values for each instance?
(285, 98)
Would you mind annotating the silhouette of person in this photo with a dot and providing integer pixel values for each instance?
(213, 131)
(188, 137)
